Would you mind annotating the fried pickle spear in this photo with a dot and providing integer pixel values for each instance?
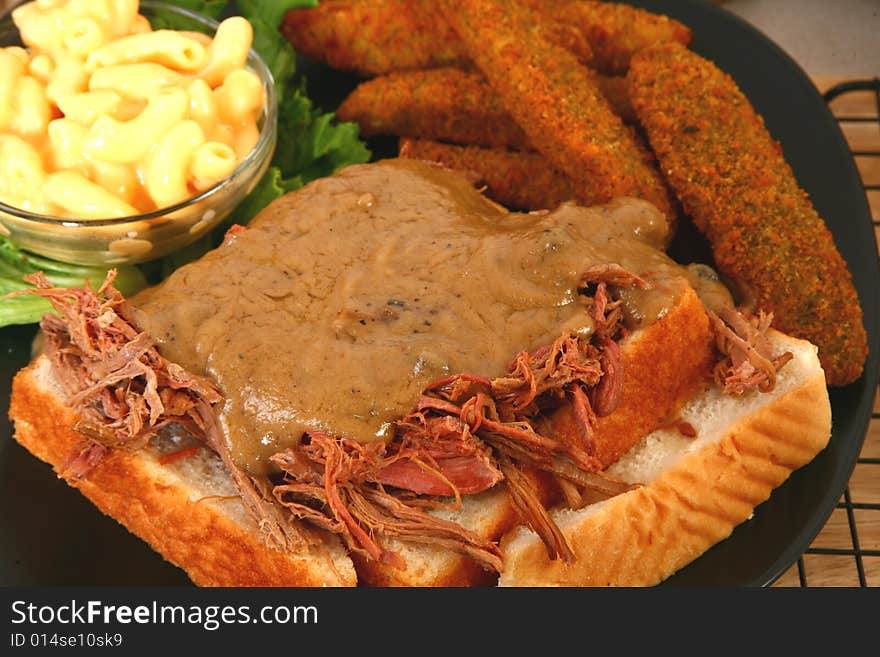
(446, 104)
(375, 37)
(733, 180)
(451, 105)
(555, 101)
(615, 30)
(518, 180)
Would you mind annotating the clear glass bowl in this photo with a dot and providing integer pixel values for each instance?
(148, 236)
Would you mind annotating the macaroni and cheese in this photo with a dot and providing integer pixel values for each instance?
(103, 117)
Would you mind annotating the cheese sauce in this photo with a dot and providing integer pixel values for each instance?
(341, 302)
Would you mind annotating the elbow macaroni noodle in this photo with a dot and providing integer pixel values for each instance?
(102, 117)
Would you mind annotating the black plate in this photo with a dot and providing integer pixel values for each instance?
(52, 535)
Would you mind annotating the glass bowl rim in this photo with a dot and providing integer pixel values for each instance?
(266, 134)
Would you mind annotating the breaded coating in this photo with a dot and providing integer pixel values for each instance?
(615, 30)
(376, 37)
(557, 104)
(733, 180)
(451, 105)
(445, 104)
(518, 180)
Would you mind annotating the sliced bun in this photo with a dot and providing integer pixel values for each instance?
(187, 510)
(696, 490)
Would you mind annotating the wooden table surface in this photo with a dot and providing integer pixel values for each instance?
(847, 550)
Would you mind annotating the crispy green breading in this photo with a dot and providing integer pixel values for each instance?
(451, 105)
(373, 38)
(555, 101)
(446, 104)
(616, 30)
(733, 180)
(518, 180)
(382, 36)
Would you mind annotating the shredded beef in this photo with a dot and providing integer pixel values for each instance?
(113, 375)
(85, 456)
(332, 483)
(438, 456)
(747, 361)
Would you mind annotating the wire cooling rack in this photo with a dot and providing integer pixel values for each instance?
(847, 550)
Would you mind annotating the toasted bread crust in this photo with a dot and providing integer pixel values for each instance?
(643, 536)
(215, 547)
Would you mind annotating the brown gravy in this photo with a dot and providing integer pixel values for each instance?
(342, 301)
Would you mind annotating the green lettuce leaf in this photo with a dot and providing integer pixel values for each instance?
(271, 13)
(211, 8)
(15, 264)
